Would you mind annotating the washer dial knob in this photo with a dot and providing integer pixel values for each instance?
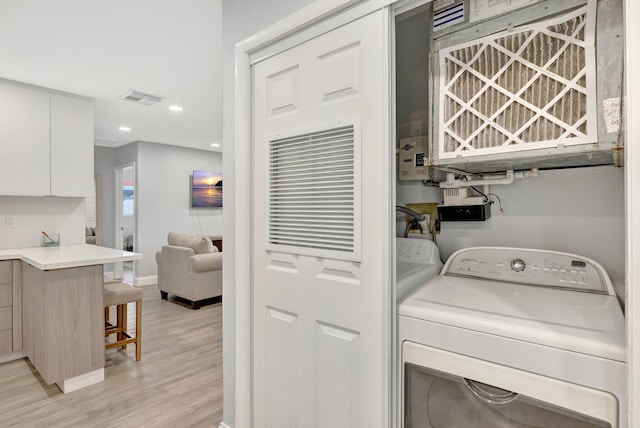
(518, 265)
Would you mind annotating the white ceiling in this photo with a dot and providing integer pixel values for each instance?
(101, 49)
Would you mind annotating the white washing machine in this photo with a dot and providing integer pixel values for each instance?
(417, 260)
(508, 337)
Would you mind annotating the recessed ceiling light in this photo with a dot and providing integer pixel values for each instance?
(176, 108)
(215, 145)
(125, 129)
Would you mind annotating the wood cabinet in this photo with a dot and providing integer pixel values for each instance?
(217, 241)
(46, 142)
(10, 307)
(6, 307)
(63, 320)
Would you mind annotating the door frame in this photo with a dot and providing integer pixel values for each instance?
(99, 203)
(631, 132)
(118, 220)
(315, 19)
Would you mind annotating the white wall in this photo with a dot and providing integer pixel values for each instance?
(163, 189)
(65, 216)
(412, 83)
(240, 19)
(128, 222)
(106, 159)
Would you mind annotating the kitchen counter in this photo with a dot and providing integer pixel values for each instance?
(61, 317)
(66, 256)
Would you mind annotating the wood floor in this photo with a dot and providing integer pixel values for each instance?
(178, 382)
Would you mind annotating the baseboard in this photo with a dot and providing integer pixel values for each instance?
(141, 281)
(223, 425)
(14, 356)
(81, 381)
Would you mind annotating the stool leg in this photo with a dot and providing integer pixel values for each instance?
(120, 323)
(138, 330)
(106, 314)
(125, 327)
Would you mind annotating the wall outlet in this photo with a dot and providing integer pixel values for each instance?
(10, 221)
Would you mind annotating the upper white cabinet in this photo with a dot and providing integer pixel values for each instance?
(24, 140)
(46, 142)
(71, 146)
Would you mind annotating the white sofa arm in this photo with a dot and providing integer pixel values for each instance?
(205, 262)
(175, 257)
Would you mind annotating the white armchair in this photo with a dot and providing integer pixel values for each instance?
(189, 267)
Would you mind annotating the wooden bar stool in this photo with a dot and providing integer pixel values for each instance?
(108, 281)
(118, 294)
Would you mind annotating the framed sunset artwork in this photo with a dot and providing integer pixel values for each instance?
(206, 190)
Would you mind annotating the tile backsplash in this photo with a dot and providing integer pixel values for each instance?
(33, 214)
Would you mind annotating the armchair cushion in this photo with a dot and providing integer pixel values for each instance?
(199, 244)
(206, 262)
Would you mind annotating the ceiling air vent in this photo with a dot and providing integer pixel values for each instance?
(140, 97)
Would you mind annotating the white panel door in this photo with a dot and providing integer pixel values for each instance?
(320, 355)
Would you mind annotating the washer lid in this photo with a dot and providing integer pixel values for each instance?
(582, 322)
(417, 260)
(410, 275)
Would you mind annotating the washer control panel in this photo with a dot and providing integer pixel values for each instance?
(530, 267)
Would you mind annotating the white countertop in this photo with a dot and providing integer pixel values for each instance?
(66, 256)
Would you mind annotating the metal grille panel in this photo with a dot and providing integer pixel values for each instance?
(527, 88)
(313, 190)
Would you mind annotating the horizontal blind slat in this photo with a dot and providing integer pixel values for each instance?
(312, 190)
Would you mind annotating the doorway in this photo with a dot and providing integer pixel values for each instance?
(93, 213)
(125, 218)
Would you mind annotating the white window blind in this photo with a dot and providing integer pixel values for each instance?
(314, 192)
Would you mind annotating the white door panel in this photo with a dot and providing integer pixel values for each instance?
(319, 351)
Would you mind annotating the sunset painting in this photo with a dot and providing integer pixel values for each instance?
(206, 190)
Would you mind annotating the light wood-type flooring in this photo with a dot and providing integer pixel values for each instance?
(178, 382)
